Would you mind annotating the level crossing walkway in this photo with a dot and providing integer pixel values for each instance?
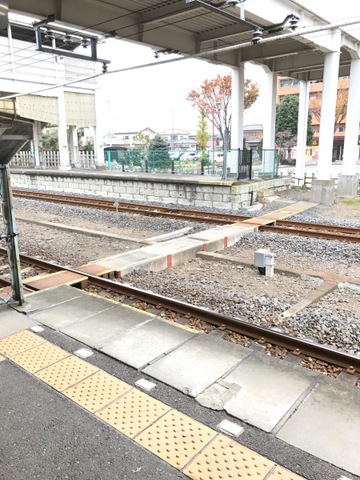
(166, 254)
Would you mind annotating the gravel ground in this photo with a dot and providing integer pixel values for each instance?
(136, 226)
(232, 290)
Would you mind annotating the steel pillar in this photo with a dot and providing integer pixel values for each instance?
(10, 234)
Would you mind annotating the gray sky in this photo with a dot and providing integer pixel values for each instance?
(155, 97)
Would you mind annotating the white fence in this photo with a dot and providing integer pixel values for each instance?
(52, 160)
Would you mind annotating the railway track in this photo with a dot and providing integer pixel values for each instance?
(263, 335)
(328, 232)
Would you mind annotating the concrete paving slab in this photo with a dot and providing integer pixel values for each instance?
(147, 342)
(268, 389)
(45, 298)
(98, 329)
(197, 364)
(72, 311)
(133, 256)
(176, 245)
(124, 263)
(327, 425)
(43, 282)
(12, 321)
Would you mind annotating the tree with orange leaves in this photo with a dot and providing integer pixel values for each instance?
(341, 106)
(213, 98)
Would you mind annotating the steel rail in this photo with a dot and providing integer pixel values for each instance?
(262, 334)
(302, 232)
(287, 227)
(127, 207)
(314, 226)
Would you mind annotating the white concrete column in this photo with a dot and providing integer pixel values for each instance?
(302, 129)
(37, 143)
(99, 133)
(237, 113)
(328, 107)
(237, 118)
(62, 133)
(74, 148)
(351, 148)
(269, 118)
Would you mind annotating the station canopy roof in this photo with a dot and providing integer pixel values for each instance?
(13, 135)
(216, 31)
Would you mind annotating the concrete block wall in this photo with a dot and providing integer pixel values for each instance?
(192, 193)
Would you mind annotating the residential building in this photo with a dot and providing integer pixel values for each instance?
(253, 135)
(290, 86)
(179, 139)
(129, 140)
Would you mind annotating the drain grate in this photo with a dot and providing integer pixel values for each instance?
(66, 373)
(280, 473)
(176, 438)
(97, 391)
(133, 412)
(19, 342)
(39, 357)
(226, 459)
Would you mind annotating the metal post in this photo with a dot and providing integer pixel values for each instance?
(250, 163)
(213, 144)
(10, 234)
(225, 146)
(108, 158)
(239, 163)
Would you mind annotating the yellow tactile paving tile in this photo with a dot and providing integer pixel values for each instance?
(133, 412)
(97, 391)
(40, 357)
(280, 473)
(225, 459)
(20, 342)
(201, 452)
(176, 438)
(66, 373)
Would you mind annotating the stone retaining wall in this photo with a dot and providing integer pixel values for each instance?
(188, 192)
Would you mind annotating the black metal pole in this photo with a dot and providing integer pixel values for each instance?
(10, 234)
(250, 163)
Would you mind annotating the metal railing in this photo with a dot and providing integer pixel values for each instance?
(52, 160)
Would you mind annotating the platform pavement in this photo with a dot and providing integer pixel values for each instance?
(296, 405)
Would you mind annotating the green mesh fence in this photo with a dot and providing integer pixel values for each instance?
(208, 162)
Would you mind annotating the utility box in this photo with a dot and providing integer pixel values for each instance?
(264, 260)
(260, 257)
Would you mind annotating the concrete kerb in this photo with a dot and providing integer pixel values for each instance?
(84, 231)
